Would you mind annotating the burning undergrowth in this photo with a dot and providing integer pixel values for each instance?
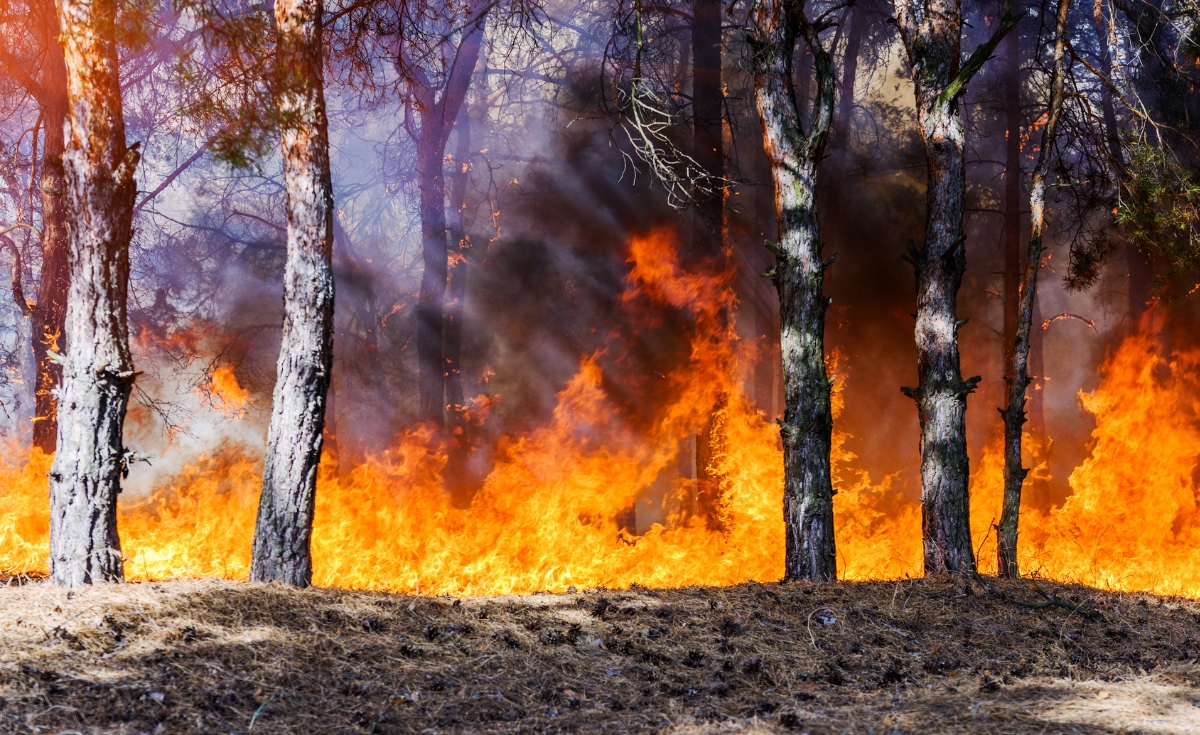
(926, 655)
(596, 497)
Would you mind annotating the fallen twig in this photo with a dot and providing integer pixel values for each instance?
(1049, 599)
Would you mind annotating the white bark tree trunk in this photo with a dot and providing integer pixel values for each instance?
(283, 532)
(799, 272)
(98, 371)
(932, 35)
(1018, 368)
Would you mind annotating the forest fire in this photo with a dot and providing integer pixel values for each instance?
(549, 514)
(663, 340)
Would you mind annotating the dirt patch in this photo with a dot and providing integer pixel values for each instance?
(922, 656)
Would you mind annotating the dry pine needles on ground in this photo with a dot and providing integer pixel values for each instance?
(942, 655)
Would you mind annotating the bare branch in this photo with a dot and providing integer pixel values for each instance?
(980, 55)
(255, 217)
(171, 178)
(17, 291)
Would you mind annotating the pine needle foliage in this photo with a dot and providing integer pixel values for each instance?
(1160, 209)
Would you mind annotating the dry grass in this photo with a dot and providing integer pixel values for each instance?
(924, 656)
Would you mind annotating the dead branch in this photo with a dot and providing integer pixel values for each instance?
(1049, 600)
(1089, 322)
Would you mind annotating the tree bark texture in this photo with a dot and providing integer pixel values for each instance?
(437, 120)
(98, 373)
(283, 532)
(932, 33)
(1014, 412)
(799, 270)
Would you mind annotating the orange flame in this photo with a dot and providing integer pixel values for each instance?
(548, 516)
(1131, 522)
(226, 393)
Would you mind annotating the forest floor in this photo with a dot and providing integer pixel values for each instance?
(929, 656)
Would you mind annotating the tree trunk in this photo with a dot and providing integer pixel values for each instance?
(932, 34)
(807, 425)
(282, 535)
(458, 269)
(1112, 132)
(437, 120)
(942, 393)
(840, 145)
(432, 188)
(1140, 279)
(98, 373)
(1013, 258)
(711, 444)
(708, 99)
(457, 481)
(49, 315)
(1039, 487)
(1014, 412)
(1012, 198)
(708, 224)
(330, 447)
(51, 309)
(766, 218)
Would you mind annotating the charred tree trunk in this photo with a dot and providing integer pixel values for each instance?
(708, 99)
(330, 448)
(1012, 198)
(840, 145)
(1140, 280)
(283, 532)
(49, 314)
(1040, 484)
(437, 120)
(932, 34)
(458, 271)
(711, 444)
(432, 188)
(1014, 412)
(456, 417)
(98, 372)
(766, 218)
(1012, 249)
(708, 224)
(807, 424)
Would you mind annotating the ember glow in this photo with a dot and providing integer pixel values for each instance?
(548, 516)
